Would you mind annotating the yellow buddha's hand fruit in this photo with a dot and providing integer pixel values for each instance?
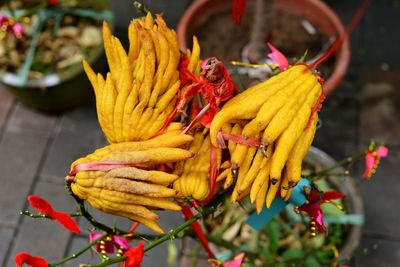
(135, 99)
(276, 113)
(134, 187)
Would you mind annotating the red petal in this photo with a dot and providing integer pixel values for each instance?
(65, 220)
(332, 195)
(382, 152)
(134, 256)
(40, 205)
(25, 258)
(188, 214)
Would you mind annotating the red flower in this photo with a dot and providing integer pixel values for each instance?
(34, 261)
(134, 256)
(53, 2)
(313, 206)
(214, 84)
(372, 159)
(44, 207)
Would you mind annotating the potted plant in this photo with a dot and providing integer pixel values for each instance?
(41, 64)
(291, 26)
(286, 239)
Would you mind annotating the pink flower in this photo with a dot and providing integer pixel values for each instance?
(134, 256)
(25, 258)
(372, 159)
(236, 262)
(45, 208)
(115, 241)
(278, 57)
(18, 30)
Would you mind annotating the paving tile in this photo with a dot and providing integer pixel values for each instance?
(66, 148)
(377, 252)
(338, 135)
(77, 135)
(20, 156)
(29, 121)
(77, 243)
(6, 235)
(381, 197)
(44, 237)
(80, 119)
(6, 102)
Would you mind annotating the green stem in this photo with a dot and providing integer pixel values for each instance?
(77, 254)
(155, 243)
(338, 164)
(91, 219)
(172, 233)
(37, 216)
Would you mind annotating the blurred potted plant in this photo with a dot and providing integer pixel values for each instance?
(291, 26)
(286, 240)
(42, 46)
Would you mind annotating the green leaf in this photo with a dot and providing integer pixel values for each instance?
(246, 264)
(266, 254)
(303, 58)
(274, 234)
(311, 261)
(292, 254)
(279, 264)
(324, 256)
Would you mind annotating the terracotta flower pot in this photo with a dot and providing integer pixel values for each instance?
(315, 11)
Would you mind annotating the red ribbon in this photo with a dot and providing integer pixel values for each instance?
(104, 166)
(238, 8)
(239, 139)
(188, 214)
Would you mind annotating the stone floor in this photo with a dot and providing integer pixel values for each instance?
(36, 151)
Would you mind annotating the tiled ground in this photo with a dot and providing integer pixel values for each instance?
(36, 151)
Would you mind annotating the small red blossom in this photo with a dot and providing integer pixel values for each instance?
(313, 205)
(372, 159)
(25, 258)
(44, 207)
(53, 2)
(214, 84)
(134, 256)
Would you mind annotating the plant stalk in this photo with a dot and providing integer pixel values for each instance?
(77, 254)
